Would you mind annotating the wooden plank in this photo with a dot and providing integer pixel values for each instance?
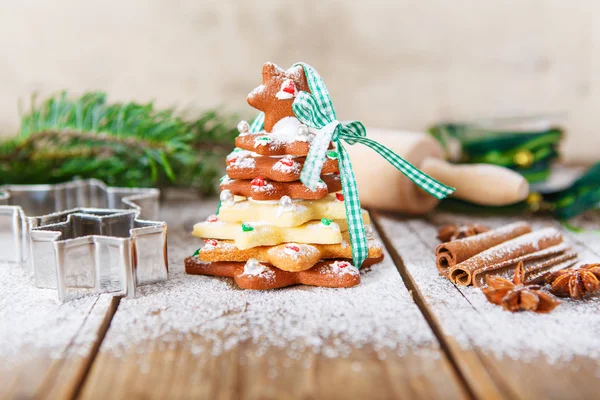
(467, 362)
(45, 346)
(133, 363)
(495, 349)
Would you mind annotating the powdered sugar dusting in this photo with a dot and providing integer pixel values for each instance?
(237, 153)
(466, 315)
(246, 162)
(294, 251)
(291, 249)
(266, 188)
(220, 245)
(255, 268)
(285, 131)
(287, 165)
(379, 313)
(342, 268)
(33, 324)
(511, 246)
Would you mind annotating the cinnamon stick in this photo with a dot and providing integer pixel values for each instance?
(449, 254)
(462, 273)
(536, 265)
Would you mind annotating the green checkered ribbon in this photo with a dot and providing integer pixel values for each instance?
(258, 123)
(316, 110)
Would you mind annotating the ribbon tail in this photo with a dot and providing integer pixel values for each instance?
(421, 179)
(258, 123)
(356, 227)
(311, 172)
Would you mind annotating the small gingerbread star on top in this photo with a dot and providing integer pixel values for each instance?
(277, 93)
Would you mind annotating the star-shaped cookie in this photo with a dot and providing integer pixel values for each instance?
(277, 93)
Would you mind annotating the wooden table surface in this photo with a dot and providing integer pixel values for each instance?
(452, 365)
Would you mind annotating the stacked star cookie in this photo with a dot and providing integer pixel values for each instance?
(271, 230)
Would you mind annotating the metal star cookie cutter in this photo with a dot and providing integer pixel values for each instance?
(93, 246)
(90, 250)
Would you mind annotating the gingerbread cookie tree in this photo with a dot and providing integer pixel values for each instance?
(271, 230)
(284, 218)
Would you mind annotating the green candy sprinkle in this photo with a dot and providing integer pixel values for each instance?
(264, 138)
(332, 154)
(196, 253)
(326, 221)
(247, 227)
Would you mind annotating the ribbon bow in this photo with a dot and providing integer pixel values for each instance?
(316, 110)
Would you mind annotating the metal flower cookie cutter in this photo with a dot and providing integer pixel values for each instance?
(97, 245)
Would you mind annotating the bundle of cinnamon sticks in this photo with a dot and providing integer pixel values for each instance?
(469, 260)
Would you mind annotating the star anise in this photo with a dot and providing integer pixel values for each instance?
(575, 283)
(516, 296)
(449, 233)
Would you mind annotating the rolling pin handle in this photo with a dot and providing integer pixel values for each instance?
(484, 184)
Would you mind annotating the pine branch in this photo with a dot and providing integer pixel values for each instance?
(124, 144)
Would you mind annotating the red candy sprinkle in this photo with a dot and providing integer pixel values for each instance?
(292, 247)
(211, 242)
(339, 196)
(287, 161)
(289, 87)
(343, 264)
(212, 218)
(258, 181)
(233, 160)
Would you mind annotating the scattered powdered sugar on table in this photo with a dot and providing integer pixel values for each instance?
(378, 314)
(33, 323)
(464, 313)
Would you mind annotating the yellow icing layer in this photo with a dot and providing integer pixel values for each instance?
(273, 214)
(314, 232)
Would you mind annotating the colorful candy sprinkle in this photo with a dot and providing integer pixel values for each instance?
(289, 87)
(339, 196)
(332, 155)
(292, 247)
(247, 227)
(211, 242)
(287, 161)
(326, 221)
(212, 218)
(258, 181)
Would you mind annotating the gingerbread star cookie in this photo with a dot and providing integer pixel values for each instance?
(254, 275)
(242, 164)
(285, 213)
(288, 256)
(263, 189)
(276, 94)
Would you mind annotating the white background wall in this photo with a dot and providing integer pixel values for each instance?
(398, 64)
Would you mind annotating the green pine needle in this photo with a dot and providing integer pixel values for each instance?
(123, 144)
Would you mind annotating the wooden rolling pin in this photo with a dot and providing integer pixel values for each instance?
(383, 187)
